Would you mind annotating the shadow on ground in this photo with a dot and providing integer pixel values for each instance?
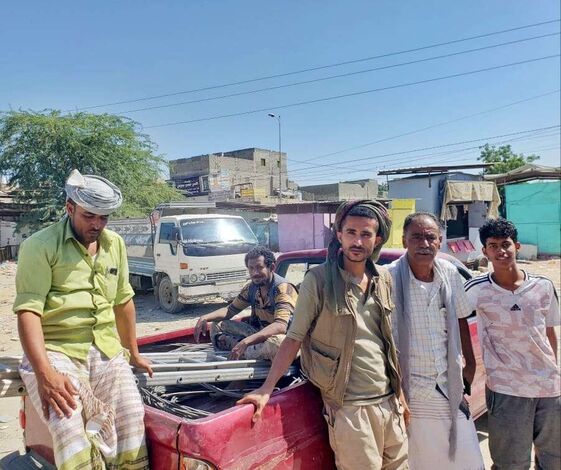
(148, 310)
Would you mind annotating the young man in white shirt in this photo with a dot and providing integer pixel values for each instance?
(517, 313)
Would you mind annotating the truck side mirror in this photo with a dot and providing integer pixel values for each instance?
(174, 240)
(175, 236)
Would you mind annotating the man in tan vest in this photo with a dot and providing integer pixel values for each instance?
(342, 326)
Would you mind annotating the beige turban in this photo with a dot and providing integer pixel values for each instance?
(93, 193)
(381, 214)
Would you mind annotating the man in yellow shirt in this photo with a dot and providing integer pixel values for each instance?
(72, 293)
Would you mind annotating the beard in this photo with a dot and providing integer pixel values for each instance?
(356, 256)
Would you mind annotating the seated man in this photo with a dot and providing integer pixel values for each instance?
(272, 299)
(76, 323)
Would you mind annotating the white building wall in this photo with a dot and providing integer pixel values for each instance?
(8, 235)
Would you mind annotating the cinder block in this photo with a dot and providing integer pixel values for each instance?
(529, 252)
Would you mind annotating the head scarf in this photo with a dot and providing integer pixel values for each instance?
(382, 217)
(93, 193)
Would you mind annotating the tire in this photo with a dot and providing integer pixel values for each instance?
(168, 296)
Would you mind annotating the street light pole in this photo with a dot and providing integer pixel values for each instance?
(278, 118)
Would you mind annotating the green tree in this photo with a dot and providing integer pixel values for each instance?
(503, 159)
(39, 149)
(383, 189)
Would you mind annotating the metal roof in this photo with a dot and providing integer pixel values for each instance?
(527, 172)
(433, 169)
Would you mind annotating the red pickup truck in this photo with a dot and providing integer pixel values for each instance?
(200, 428)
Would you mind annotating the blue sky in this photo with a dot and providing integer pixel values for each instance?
(71, 55)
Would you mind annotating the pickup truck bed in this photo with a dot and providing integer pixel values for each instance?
(291, 434)
(141, 266)
(199, 424)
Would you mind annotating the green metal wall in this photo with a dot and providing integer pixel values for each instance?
(535, 209)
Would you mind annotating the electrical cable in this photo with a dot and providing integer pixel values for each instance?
(432, 126)
(385, 67)
(312, 69)
(356, 93)
(337, 170)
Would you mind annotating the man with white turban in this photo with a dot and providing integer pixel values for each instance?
(72, 294)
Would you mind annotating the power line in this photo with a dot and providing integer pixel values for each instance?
(310, 181)
(329, 171)
(403, 152)
(356, 93)
(349, 74)
(322, 67)
(333, 169)
(374, 169)
(432, 126)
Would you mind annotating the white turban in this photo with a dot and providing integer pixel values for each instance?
(93, 193)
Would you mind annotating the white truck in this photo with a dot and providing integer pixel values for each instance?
(186, 253)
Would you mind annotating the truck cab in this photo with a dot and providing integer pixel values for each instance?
(200, 256)
(186, 254)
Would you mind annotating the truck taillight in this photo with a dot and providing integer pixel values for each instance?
(189, 463)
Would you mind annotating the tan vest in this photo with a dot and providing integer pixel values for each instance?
(327, 350)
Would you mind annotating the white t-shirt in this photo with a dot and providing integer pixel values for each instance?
(518, 357)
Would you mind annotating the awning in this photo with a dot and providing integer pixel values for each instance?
(464, 192)
(527, 172)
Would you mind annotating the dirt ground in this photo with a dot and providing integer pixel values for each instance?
(151, 320)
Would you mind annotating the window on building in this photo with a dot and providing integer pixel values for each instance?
(278, 163)
(263, 162)
(458, 227)
(204, 183)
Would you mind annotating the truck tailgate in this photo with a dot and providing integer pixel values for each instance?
(161, 436)
(142, 266)
(291, 434)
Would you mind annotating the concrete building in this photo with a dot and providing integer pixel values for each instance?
(426, 189)
(342, 191)
(251, 174)
(10, 211)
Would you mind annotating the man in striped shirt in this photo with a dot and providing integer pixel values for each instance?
(517, 313)
(271, 298)
(431, 309)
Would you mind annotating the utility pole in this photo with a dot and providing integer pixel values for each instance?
(278, 118)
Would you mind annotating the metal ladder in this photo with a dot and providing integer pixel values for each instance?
(170, 368)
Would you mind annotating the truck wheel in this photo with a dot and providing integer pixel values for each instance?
(168, 296)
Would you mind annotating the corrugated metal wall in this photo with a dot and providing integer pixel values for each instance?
(535, 209)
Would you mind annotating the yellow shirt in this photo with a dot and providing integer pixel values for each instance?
(73, 293)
